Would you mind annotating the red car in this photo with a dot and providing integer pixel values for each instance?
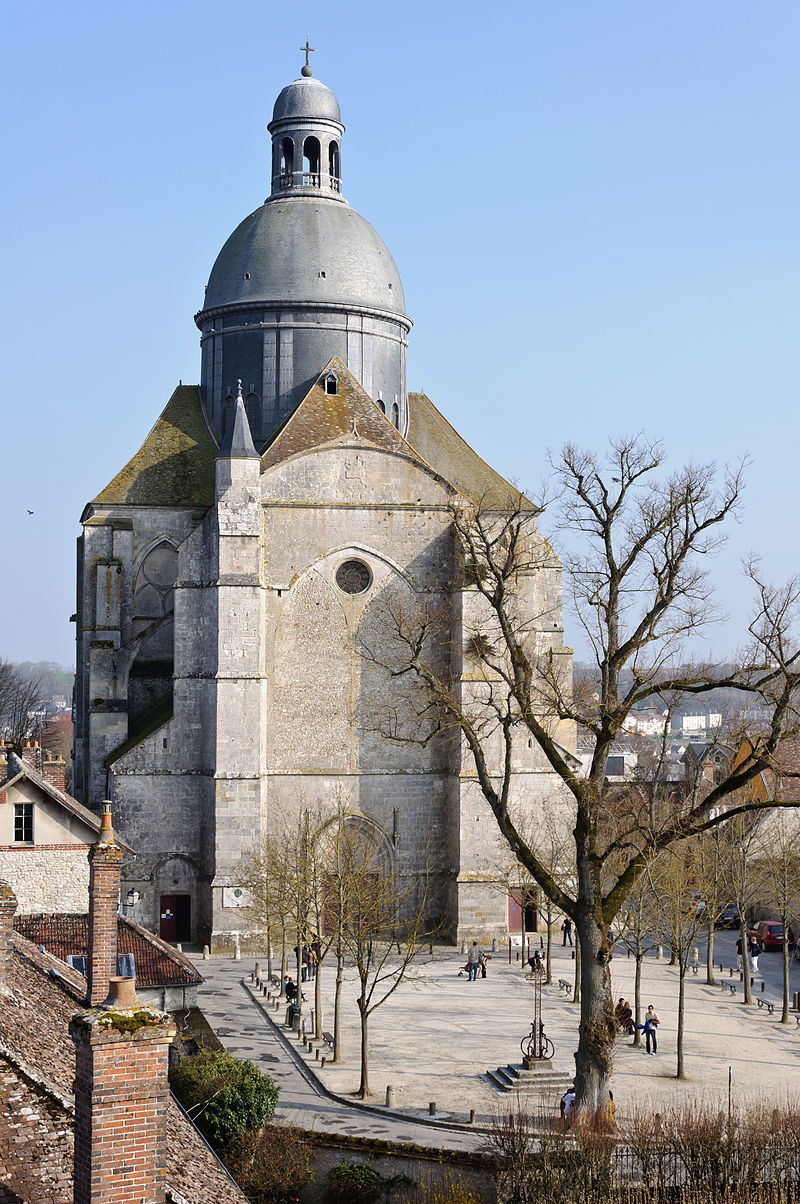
(769, 934)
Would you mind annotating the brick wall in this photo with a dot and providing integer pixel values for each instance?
(121, 1094)
(105, 865)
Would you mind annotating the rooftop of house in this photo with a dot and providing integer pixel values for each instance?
(19, 769)
(155, 963)
(37, 1068)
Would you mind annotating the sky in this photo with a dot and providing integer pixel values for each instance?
(593, 208)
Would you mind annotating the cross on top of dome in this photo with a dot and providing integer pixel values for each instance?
(306, 70)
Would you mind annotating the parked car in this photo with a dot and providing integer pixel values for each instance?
(769, 934)
(729, 917)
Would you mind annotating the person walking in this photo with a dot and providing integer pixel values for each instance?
(739, 953)
(566, 928)
(651, 1023)
(474, 958)
(753, 948)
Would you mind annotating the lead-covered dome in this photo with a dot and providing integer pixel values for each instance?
(304, 249)
(301, 280)
(306, 97)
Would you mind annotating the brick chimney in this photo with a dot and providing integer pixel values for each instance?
(121, 1092)
(54, 769)
(8, 908)
(105, 865)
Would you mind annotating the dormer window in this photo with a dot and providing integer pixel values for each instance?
(331, 385)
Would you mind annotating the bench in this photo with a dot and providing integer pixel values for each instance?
(564, 987)
(729, 986)
(327, 1040)
(765, 1003)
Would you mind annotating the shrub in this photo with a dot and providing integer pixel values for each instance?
(453, 1192)
(273, 1165)
(224, 1097)
(353, 1183)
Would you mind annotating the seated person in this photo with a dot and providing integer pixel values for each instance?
(290, 989)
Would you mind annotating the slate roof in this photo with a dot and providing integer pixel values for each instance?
(157, 963)
(175, 464)
(37, 1068)
(19, 769)
(441, 446)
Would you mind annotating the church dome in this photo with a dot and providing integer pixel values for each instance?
(306, 97)
(304, 250)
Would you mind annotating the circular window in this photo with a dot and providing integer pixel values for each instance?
(353, 577)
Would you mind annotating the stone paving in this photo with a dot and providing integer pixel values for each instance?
(436, 1036)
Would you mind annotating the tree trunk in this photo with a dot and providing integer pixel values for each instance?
(318, 998)
(637, 997)
(268, 935)
(785, 1008)
(548, 960)
(299, 978)
(576, 990)
(284, 962)
(597, 1024)
(363, 1087)
(337, 1006)
(710, 953)
(748, 994)
(681, 1004)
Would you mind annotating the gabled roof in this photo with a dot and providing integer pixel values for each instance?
(37, 1070)
(441, 446)
(175, 464)
(19, 769)
(322, 418)
(156, 963)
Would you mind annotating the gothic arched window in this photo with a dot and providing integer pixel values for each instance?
(395, 415)
(287, 160)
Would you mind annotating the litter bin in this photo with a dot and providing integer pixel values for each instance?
(292, 1011)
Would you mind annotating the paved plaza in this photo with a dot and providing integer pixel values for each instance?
(437, 1035)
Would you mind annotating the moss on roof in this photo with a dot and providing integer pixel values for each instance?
(322, 418)
(175, 464)
(433, 438)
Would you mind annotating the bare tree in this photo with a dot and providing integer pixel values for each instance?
(745, 882)
(20, 698)
(383, 923)
(673, 883)
(639, 590)
(639, 934)
(776, 854)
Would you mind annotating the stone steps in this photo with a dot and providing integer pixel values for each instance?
(532, 1080)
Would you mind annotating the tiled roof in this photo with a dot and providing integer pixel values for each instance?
(157, 963)
(441, 446)
(175, 464)
(19, 768)
(37, 1068)
(322, 418)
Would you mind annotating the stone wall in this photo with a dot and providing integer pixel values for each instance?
(47, 878)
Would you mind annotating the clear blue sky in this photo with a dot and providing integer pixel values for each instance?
(594, 208)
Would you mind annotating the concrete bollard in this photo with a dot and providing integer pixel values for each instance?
(322, 1062)
(629, 954)
(763, 985)
(517, 955)
(659, 953)
(206, 953)
(432, 1107)
(316, 1054)
(390, 1097)
(257, 970)
(495, 945)
(572, 955)
(463, 947)
(472, 1116)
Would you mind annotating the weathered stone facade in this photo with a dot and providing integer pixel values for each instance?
(228, 675)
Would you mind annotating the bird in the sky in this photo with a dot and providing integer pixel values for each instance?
(29, 511)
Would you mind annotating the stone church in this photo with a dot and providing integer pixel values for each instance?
(232, 573)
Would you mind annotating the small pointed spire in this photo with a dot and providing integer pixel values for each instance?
(237, 443)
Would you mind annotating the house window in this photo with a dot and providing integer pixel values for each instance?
(23, 823)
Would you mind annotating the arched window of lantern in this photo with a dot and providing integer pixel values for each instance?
(287, 159)
(311, 160)
(395, 415)
(333, 160)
